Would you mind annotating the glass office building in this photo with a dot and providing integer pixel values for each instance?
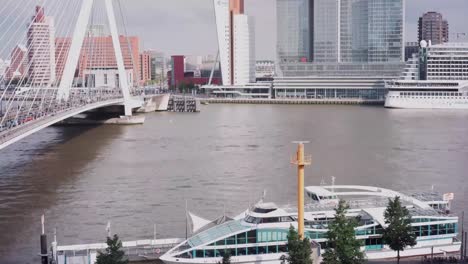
(295, 26)
(348, 38)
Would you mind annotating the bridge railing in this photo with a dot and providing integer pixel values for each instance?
(22, 116)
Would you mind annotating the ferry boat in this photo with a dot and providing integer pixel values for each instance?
(259, 235)
(435, 79)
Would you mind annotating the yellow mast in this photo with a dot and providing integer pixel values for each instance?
(301, 161)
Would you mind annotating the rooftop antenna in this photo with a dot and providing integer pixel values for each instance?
(154, 233)
(108, 229)
(322, 182)
(333, 178)
(301, 161)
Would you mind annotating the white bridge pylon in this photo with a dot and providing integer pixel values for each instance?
(75, 50)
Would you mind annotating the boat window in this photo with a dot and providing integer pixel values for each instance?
(185, 255)
(313, 196)
(233, 251)
(252, 220)
(261, 250)
(209, 253)
(199, 254)
(282, 248)
(252, 251)
(231, 240)
(242, 238)
(221, 242)
(263, 211)
(270, 220)
(286, 219)
(272, 249)
(241, 252)
(252, 236)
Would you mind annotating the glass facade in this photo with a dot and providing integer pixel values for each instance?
(386, 30)
(344, 32)
(326, 35)
(294, 26)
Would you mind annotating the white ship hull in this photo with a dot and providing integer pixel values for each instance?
(426, 103)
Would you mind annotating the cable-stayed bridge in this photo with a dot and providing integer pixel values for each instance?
(65, 58)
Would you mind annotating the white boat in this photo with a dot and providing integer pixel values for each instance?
(435, 79)
(259, 235)
(412, 94)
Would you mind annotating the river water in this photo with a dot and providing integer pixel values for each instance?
(218, 160)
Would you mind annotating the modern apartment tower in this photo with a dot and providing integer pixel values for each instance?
(432, 27)
(236, 40)
(41, 53)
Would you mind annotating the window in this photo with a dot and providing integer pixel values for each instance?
(252, 251)
(241, 238)
(252, 236)
(105, 78)
(241, 252)
(272, 249)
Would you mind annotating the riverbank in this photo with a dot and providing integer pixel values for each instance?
(356, 101)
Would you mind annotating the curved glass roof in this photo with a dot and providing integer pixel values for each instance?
(228, 228)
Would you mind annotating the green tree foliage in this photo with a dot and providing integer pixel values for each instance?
(299, 250)
(398, 235)
(113, 254)
(344, 248)
(226, 258)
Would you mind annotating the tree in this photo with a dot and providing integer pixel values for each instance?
(344, 248)
(226, 258)
(299, 250)
(399, 234)
(113, 254)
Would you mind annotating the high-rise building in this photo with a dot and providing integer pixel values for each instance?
(295, 25)
(145, 67)
(432, 27)
(236, 40)
(353, 46)
(339, 32)
(41, 52)
(18, 64)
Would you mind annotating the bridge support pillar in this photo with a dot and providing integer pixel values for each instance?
(124, 85)
(75, 49)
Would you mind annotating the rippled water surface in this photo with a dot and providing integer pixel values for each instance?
(220, 159)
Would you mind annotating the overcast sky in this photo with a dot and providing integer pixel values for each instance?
(188, 26)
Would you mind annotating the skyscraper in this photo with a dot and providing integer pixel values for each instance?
(336, 32)
(295, 24)
(353, 45)
(41, 53)
(433, 27)
(236, 40)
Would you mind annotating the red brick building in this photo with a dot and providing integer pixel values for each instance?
(145, 67)
(98, 53)
(178, 75)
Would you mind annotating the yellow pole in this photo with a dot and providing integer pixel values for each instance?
(301, 162)
(300, 189)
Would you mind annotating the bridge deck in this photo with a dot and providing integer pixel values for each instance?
(17, 133)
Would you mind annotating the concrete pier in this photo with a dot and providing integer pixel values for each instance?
(294, 101)
(182, 103)
(135, 251)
